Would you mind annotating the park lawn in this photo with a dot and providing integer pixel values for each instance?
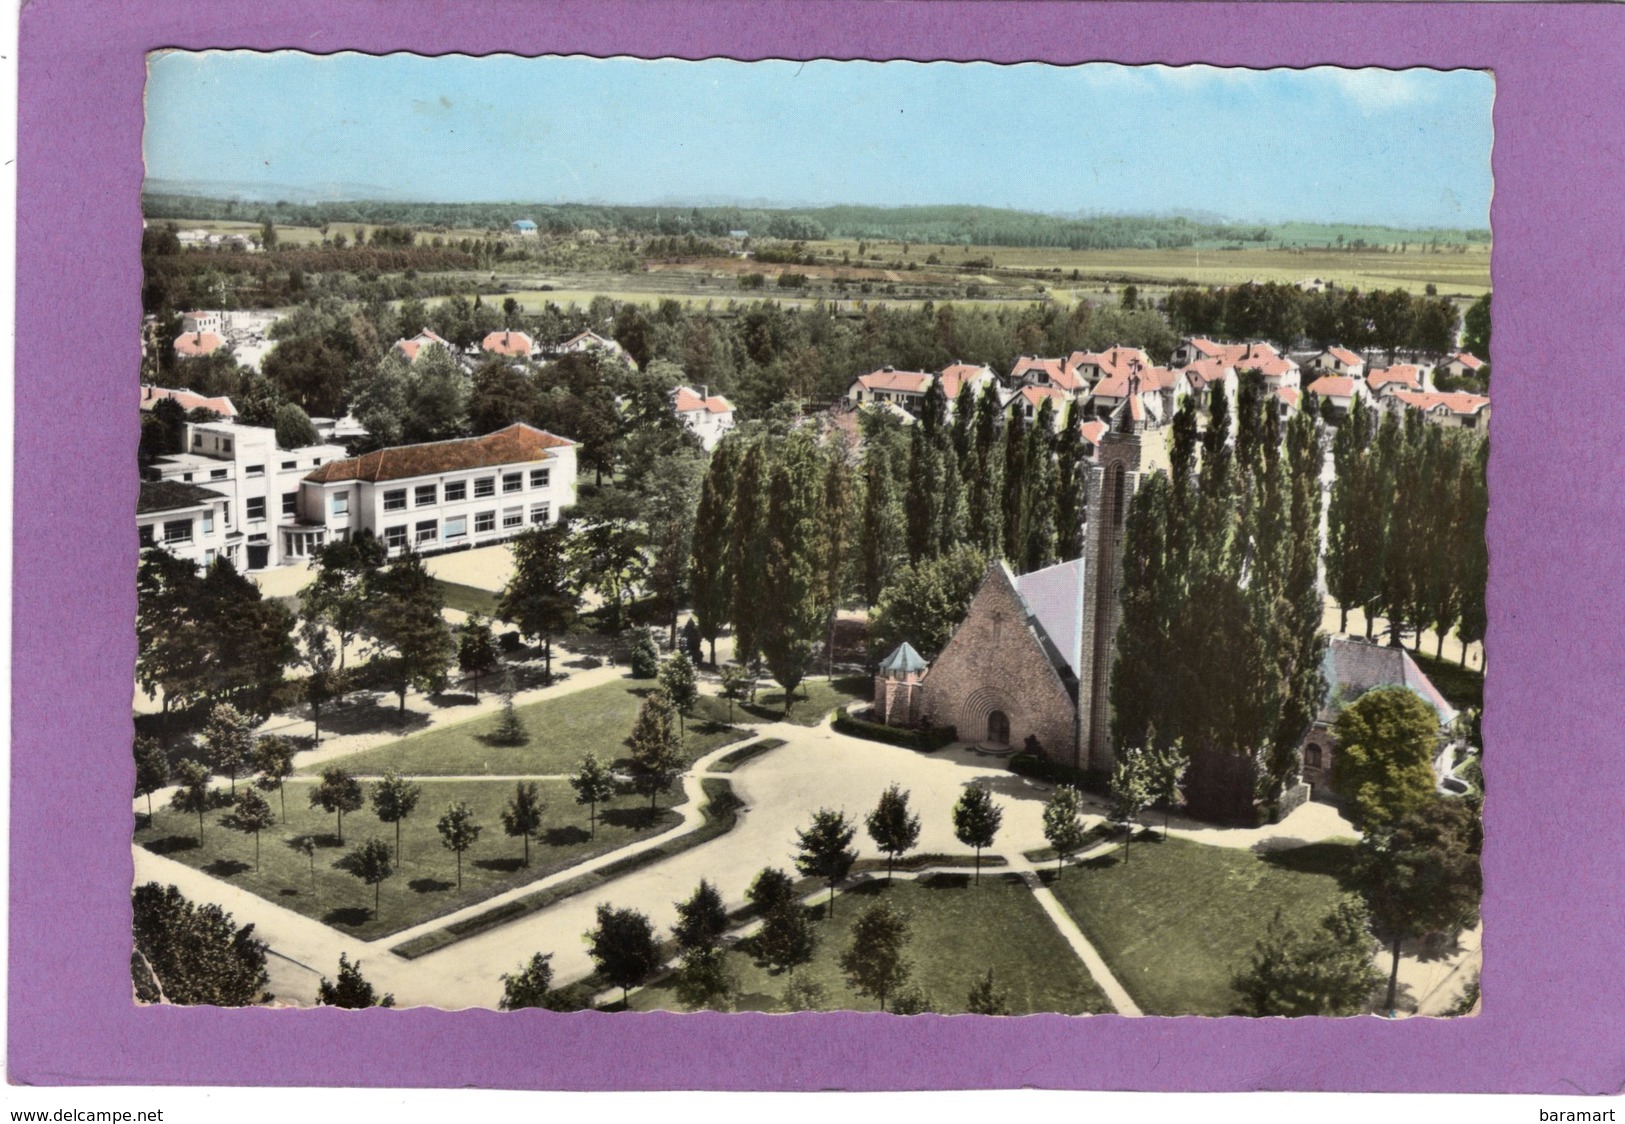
(563, 729)
(425, 886)
(467, 598)
(813, 700)
(958, 931)
(1178, 919)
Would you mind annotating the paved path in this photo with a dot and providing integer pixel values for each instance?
(1092, 960)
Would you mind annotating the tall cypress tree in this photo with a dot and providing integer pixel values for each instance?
(881, 531)
(835, 534)
(1472, 546)
(923, 508)
(792, 588)
(1014, 525)
(747, 551)
(713, 524)
(983, 524)
(1071, 494)
(1038, 549)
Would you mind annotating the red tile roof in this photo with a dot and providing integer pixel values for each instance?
(1344, 356)
(1288, 394)
(955, 375)
(192, 344)
(913, 382)
(1112, 361)
(1457, 403)
(1094, 430)
(517, 444)
(1404, 374)
(151, 395)
(1151, 379)
(1333, 386)
(508, 343)
(1207, 347)
(1035, 396)
(411, 347)
(1051, 368)
(1468, 359)
(1205, 371)
(686, 400)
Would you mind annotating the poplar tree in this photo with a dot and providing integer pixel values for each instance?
(747, 553)
(923, 506)
(1038, 547)
(791, 612)
(1014, 521)
(881, 528)
(835, 531)
(982, 511)
(1072, 486)
(709, 575)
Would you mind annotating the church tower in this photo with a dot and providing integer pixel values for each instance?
(1130, 450)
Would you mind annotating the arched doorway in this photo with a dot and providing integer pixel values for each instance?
(998, 728)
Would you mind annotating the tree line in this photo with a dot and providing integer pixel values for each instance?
(1219, 647)
(1406, 525)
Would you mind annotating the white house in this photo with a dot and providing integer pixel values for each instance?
(444, 494)
(187, 520)
(592, 341)
(955, 376)
(1340, 391)
(903, 388)
(525, 228)
(1400, 376)
(514, 345)
(1462, 363)
(1088, 368)
(203, 321)
(708, 416)
(261, 484)
(1455, 411)
(412, 348)
(188, 400)
(1338, 361)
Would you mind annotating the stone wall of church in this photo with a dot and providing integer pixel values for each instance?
(995, 663)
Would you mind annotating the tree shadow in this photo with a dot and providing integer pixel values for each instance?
(1101, 862)
(172, 844)
(226, 868)
(944, 881)
(497, 742)
(500, 866)
(566, 836)
(450, 699)
(430, 885)
(1336, 860)
(372, 714)
(1016, 787)
(584, 663)
(629, 817)
(288, 892)
(352, 916)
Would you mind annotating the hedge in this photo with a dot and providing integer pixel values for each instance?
(1053, 772)
(719, 813)
(731, 761)
(926, 741)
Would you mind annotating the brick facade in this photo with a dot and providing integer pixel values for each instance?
(995, 663)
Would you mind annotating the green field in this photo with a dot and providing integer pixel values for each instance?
(959, 930)
(467, 598)
(1178, 919)
(813, 700)
(425, 886)
(562, 729)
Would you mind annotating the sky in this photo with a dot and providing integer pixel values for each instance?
(1406, 148)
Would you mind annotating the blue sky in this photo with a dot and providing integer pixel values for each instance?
(1409, 148)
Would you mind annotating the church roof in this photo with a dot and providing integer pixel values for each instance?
(903, 659)
(1054, 597)
(1354, 667)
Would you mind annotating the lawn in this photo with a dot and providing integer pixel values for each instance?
(958, 932)
(1463, 686)
(562, 729)
(427, 886)
(1178, 919)
(467, 598)
(813, 700)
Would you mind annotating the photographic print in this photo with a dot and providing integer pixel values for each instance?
(660, 535)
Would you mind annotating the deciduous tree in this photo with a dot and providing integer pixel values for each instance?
(228, 739)
(1327, 971)
(405, 623)
(1063, 824)
(701, 920)
(542, 598)
(458, 832)
(987, 998)
(193, 954)
(874, 962)
(623, 948)
(678, 681)
(273, 762)
(252, 815)
(337, 793)
(657, 761)
(371, 862)
(826, 849)
(394, 798)
(594, 784)
(476, 654)
(351, 989)
(151, 770)
(1383, 768)
(893, 828)
(976, 821)
(523, 815)
(192, 791)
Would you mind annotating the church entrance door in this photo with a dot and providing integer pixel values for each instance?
(998, 728)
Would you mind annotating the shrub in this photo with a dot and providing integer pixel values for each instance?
(1053, 772)
(925, 741)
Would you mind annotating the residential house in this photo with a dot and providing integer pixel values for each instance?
(956, 375)
(195, 345)
(593, 342)
(1278, 370)
(1400, 376)
(1207, 376)
(1340, 391)
(1193, 348)
(203, 321)
(525, 228)
(1458, 410)
(1027, 401)
(445, 495)
(509, 344)
(189, 401)
(264, 524)
(188, 520)
(1089, 367)
(1152, 394)
(1462, 363)
(1338, 361)
(1289, 400)
(708, 416)
(412, 348)
(903, 388)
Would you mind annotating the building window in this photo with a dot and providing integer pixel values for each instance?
(255, 470)
(539, 512)
(485, 486)
(485, 521)
(316, 463)
(395, 501)
(256, 507)
(1311, 757)
(217, 474)
(197, 440)
(395, 537)
(456, 490)
(208, 522)
(513, 482)
(178, 530)
(513, 517)
(539, 477)
(427, 531)
(290, 503)
(457, 527)
(290, 464)
(187, 477)
(225, 446)
(424, 495)
(148, 535)
(341, 503)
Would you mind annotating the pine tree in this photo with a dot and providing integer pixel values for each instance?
(656, 759)
(510, 728)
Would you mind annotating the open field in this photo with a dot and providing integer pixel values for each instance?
(813, 701)
(562, 731)
(425, 886)
(1177, 919)
(958, 932)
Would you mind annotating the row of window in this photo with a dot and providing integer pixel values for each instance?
(429, 531)
(427, 495)
(176, 530)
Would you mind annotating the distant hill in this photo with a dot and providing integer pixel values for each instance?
(308, 194)
(946, 224)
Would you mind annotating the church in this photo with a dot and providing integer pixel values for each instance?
(1029, 668)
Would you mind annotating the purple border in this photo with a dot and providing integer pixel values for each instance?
(1555, 1016)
